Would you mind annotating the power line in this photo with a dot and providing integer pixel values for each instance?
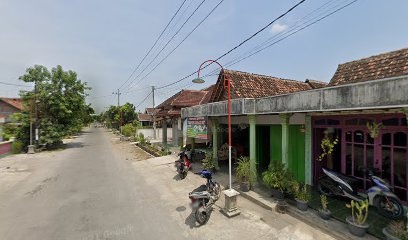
(148, 52)
(143, 100)
(168, 42)
(297, 25)
(273, 43)
(240, 44)
(181, 41)
(17, 85)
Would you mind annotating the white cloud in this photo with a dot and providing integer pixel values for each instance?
(277, 27)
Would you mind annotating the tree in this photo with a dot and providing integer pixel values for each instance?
(59, 98)
(124, 114)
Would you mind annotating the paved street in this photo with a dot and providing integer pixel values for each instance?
(100, 189)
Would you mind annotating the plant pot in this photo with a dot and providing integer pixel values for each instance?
(301, 205)
(324, 214)
(389, 235)
(245, 186)
(355, 229)
(278, 194)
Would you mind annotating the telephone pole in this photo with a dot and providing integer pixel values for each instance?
(153, 113)
(120, 114)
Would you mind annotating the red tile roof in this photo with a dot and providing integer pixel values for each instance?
(145, 117)
(185, 98)
(316, 84)
(15, 102)
(390, 64)
(151, 110)
(249, 85)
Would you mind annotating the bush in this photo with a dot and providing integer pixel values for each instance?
(129, 130)
(243, 170)
(208, 161)
(142, 139)
(17, 147)
(277, 176)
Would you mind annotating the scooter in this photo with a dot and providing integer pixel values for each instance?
(379, 195)
(183, 164)
(204, 197)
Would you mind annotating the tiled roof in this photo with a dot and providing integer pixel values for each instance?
(390, 64)
(249, 85)
(185, 98)
(15, 102)
(314, 84)
(145, 117)
(151, 110)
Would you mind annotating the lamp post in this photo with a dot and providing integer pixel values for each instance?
(231, 208)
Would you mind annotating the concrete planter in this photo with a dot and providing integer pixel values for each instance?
(278, 194)
(356, 230)
(389, 235)
(324, 214)
(302, 205)
(245, 186)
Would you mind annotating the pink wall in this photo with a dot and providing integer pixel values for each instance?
(5, 148)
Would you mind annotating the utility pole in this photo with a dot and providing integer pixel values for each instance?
(154, 112)
(120, 114)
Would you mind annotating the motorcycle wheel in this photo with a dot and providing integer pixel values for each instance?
(324, 189)
(383, 205)
(216, 191)
(183, 175)
(201, 216)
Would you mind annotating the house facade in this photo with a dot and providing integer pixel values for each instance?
(364, 109)
(8, 106)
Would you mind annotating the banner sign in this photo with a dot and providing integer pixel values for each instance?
(185, 133)
(197, 127)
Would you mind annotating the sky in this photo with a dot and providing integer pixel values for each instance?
(104, 41)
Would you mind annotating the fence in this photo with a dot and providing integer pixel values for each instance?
(148, 133)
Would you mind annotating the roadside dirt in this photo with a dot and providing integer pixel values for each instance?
(129, 151)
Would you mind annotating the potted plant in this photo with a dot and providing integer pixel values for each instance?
(324, 212)
(302, 195)
(396, 230)
(359, 214)
(278, 178)
(243, 173)
(208, 162)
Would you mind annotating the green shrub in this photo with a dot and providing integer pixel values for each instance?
(277, 176)
(208, 161)
(128, 130)
(142, 139)
(243, 170)
(17, 147)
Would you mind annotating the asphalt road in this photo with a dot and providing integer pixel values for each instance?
(87, 191)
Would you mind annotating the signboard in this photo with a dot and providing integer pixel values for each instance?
(185, 133)
(197, 127)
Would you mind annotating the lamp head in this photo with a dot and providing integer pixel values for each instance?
(198, 80)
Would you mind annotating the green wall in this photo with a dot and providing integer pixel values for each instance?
(276, 142)
(297, 152)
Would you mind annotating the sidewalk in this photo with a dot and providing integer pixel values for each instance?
(254, 222)
(261, 196)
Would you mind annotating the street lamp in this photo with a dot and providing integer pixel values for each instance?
(231, 208)
(228, 80)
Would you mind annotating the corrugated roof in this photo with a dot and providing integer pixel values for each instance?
(385, 65)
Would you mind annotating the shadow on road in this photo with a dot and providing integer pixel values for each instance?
(74, 145)
(180, 209)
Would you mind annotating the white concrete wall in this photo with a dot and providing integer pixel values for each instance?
(297, 118)
(148, 133)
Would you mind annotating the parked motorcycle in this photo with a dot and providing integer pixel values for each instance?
(204, 197)
(379, 195)
(183, 164)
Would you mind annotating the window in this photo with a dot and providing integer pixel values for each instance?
(320, 122)
(333, 122)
